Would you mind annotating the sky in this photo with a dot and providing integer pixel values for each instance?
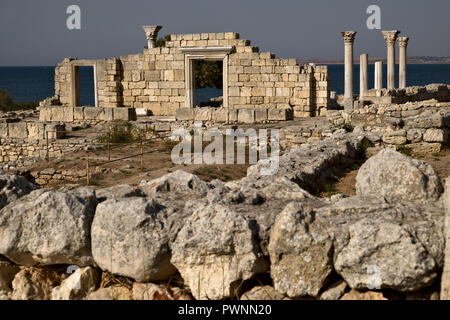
(34, 32)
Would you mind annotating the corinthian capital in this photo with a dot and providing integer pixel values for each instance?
(403, 41)
(390, 36)
(151, 33)
(349, 36)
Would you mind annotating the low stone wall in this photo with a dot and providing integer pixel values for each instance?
(31, 130)
(440, 92)
(14, 149)
(91, 115)
(222, 115)
(423, 126)
(49, 175)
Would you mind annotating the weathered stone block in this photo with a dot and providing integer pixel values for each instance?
(414, 135)
(232, 115)
(185, 114)
(36, 130)
(395, 137)
(435, 135)
(220, 115)
(55, 131)
(3, 130)
(202, 114)
(45, 114)
(246, 116)
(127, 114)
(93, 113)
(18, 130)
(78, 113)
(109, 114)
(260, 115)
(280, 114)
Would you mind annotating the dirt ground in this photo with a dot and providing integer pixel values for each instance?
(156, 162)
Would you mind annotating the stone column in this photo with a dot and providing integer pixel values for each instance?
(378, 77)
(402, 43)
(391, 38)
(349, 38)
(152, 34)
(363, 72)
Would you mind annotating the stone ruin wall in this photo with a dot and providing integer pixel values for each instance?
(156, 79)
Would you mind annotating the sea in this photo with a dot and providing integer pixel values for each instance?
(26, 84)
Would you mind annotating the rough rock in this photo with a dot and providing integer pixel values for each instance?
(386, 245)
(119, 191)
(115, 292)
(216, 250)
(395, 176)
(129, 238)
(12, 187)
(178, 181)
(300, 252)
(334, 291)
(263, 293)
(311, 163)
(151, 291)
(34, 284)
(445, 282)
(8, 271)
(368, 295)
(48, 227)
(78, 285)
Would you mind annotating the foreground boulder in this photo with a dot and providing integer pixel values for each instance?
(48, 227)
(115, 292)
(34, 284)
(300, 252)
(78, 285)
(129, 239)
(12, 187)
(445, 282)
(395, 176)
(178, 181)
(382, 245)
(215, 251)
(117, 192)
(151, 291)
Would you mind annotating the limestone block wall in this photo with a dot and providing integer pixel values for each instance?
(159, 78)
(107, 81)
(440, 92)
(89, 115)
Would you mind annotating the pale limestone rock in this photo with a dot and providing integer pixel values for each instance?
(263, 293)
(48, 227)
(395, 176)
(435, 135)
(215, 251)
(445, 281)
(12, 187)
(334, 291)
(129, 238)
(368, 295)
(34, 284)
(178, 181)
(115, 292)
(300, 252)
(151, 291)
(118, 191)
(78, 285)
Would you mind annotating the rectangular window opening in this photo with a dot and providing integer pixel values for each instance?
(208, 86)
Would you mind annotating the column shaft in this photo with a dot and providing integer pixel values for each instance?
(391, 38)
(363, 72)
(403, 43)
(378, 77)
(349, 37)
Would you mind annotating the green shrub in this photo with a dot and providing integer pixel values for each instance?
(121, 131)
(404, 149)
(7, 104)
(348, 127)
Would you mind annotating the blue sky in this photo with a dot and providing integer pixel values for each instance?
(34, 32)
